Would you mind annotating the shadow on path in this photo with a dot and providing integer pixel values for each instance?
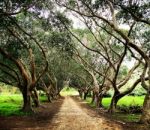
(66, 113)
(109, 120)
(40, 120)
(72, 116)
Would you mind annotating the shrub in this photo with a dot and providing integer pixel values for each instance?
(130, 109)
(107, 95)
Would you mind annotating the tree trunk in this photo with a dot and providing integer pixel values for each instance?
(97, 100)
(113, 104)
(85, 95)
(145, 118)
(35, 98)
(100, 101)
(80, 93)
(48, 97)
(93, 98)
(27, 104)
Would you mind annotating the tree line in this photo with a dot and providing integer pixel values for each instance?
(40, 48)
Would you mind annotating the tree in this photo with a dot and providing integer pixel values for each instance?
(23, 47)
(104, 15)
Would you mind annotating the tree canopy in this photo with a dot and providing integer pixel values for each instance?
(40, 48)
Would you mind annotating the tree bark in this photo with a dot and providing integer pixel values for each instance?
(93, 98)
(145, 118)
(48, 97)
(80, 93)
(35, 98)
(97, 100)
(85, 95)
(100, 101)
(113, 104)
(27, 104)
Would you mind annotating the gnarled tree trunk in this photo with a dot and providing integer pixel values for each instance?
(27, 104)
(85, 95)
(48, 97)
(80, 93)
(145, 118)
(97, 99)
(114, 100)
(100, 100)
(93, 97)
(35, 98)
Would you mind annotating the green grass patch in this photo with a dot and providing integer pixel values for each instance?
(125, 103)
(43, 98)
(131, 100)
(16, 98)
(88, 100)
(11, 104)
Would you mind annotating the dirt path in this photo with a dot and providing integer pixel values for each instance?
(64, 114)
(72, 117)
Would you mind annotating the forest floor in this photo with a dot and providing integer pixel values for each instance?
(67, 113)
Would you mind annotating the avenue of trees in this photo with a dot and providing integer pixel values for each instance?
(40, 48)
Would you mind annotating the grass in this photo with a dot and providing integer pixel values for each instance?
(126, 101)
(43, 98)
(11, 104)
(127, 117)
